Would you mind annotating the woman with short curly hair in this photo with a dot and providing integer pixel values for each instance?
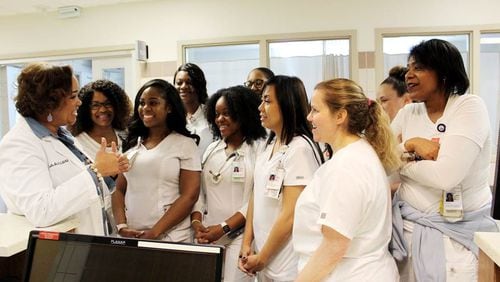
(45, 176)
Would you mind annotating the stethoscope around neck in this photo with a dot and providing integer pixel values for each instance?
(216, 176)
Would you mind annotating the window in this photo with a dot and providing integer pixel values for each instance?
(12, 73)
(397, 48)
(312, 61)
(490, 80)
(312, 57)
(224, 66)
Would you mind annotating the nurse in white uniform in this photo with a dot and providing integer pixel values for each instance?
(446, 134)
(155, 198)
(282, 171)
(190, 81)
(342, 222)
(44, 175)
(227, 175)
(104, 112)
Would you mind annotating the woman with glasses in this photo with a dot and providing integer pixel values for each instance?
(104, 112)
(256, 79)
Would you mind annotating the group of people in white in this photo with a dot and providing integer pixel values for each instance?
(322, 190)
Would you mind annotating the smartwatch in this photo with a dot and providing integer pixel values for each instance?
(225, 227)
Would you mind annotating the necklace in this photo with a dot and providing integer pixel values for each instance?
(217, 177)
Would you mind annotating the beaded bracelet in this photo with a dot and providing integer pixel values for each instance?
(94, 169)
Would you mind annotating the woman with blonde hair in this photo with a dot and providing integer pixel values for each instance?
(342, 229)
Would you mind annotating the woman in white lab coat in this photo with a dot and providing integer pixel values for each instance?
(45, 177)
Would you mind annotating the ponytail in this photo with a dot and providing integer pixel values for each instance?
(366, 118)
(379, 134)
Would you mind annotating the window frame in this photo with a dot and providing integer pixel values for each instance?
(265, 39)
(473, 64)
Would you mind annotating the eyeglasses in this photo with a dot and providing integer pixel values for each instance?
(258, 83)
(97, 105)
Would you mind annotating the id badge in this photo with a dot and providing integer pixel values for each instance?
(274, 183)
(451, 205)
(238, 169)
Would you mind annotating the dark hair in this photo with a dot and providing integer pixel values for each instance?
(243, 108)
(117, 97)
(176, 119)
(267, 72)
(198, 80)
(365, 117)
(41, 87)
(396, 80)
(294, 106)
(445, 59)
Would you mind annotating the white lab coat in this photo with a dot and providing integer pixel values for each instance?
(44, 181)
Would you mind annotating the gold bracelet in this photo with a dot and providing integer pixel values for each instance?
(195, 220)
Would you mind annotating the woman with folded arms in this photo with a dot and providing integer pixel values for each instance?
(445, 136)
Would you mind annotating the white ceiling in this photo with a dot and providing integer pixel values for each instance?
(15, 7)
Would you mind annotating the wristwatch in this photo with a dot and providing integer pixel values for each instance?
(225, 227)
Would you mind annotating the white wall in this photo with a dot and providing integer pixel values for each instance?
(162, 23)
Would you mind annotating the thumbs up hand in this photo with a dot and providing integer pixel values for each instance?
(110, 163)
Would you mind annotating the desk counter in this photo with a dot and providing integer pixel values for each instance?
(16, 229)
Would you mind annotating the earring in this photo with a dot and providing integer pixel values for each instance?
(49, 117)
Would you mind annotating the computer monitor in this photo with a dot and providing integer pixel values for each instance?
(54, 256)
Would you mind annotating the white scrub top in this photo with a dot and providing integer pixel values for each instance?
(153, 184)
(299, 164)
(219, 201)
(350, 194)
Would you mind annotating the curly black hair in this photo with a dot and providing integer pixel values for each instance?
(122, 106)
(176, 119)
(243, 106)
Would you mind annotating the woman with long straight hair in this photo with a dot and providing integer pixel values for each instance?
(282, 170)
